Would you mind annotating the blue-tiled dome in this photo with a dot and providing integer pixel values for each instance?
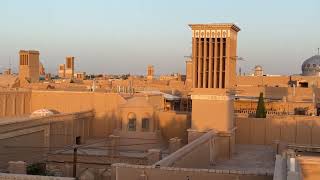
(311, 66)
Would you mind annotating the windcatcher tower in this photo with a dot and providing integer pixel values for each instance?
(150, 72)
(28, 66)
(69, 67)
(214, 54)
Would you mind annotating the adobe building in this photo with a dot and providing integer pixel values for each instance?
(7, 71)
(258, 71)
(42, 70)
(150, 72)
(80, 75)
(147, 129)
(189, 71)
(311, 66)
(69, 67)
(62, 71)
(29, 66)
(214, 48)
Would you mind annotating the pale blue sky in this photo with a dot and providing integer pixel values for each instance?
(120, 36)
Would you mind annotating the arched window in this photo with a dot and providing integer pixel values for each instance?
(132, 122)
(145, 124)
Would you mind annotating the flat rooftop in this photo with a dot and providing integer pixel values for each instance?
(310, 165)
(250, 158)
(101, 149)
(14, 119)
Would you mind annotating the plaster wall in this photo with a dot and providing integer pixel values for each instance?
(210, 114)
(104, 105)
(29, 139)
(124, 172)
(289, 129)
(19, 148)
(30, 177)
(174, 124)
(14, 103)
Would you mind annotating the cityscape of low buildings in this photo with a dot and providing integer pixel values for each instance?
(202, 124)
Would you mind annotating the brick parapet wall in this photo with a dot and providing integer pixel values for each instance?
(4, 176)
(194, 170)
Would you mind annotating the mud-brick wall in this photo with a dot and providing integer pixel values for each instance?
(14, 103)
(291, 129)
(105, 106)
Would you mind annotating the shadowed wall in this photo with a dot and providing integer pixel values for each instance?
(290, 129)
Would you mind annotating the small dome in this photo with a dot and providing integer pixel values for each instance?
(258, 68)
(311, 66)
(43, 113)
(258, 71)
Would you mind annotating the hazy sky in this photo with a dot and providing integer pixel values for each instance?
(118, 36)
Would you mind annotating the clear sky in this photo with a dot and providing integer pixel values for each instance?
(124, 36)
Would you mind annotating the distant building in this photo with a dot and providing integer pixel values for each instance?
(42, 70)
(150, 72)
(311, 66)
(48, 77)
(62, 71)
(7, 71)
(175, 76)
(258, 71)
(69, 67)
(189, 70)
(29, 66)
(80, 75)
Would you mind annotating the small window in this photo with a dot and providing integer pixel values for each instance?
(78, 140)
(145, 124)
(132, 122)
(132, 125)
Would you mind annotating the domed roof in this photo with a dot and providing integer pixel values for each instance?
(258, 68)
(43, 113)
(311, 66)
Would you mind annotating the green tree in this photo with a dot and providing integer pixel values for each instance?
(261, 109)
(38, 169)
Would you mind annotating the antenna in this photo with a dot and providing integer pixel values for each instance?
(318, 51)
(9, 62)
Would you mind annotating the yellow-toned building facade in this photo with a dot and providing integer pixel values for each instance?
(28, 66)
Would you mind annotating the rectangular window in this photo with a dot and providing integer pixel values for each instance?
(196, 61)
(21, 60)
(217, 82)
(208, 47)
(223, 64)
(224, 50)
(218, 48)
(145, 124)
(68, 63)
(132, 125)
(223, 80)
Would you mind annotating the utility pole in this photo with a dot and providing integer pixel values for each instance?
(75, 158)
